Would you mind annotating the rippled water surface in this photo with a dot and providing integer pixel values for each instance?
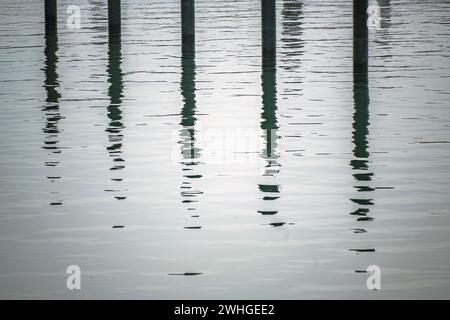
(213, 177)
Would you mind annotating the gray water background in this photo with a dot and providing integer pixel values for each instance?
(91, 139)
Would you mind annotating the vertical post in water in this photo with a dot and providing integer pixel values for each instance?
(360, 87)
(51, 25)
(114, 17)
(188, 26)
(361, 100)
(268, 28)
(360, 38)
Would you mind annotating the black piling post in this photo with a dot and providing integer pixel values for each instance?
(51, 25)
(268, 28)
(269, 123)
(115, 93)
(188, 112)
(360, 38)
(114, 17)
(360, 86)
(188, 27)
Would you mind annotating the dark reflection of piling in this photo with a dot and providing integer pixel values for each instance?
(190, 153)
(360, 37)
(188, 27)
(268, 28)
(385, 14)
(51, 106)
(291, 33)
(360, 161)
(269, 126)
(115, 93)
(269, 123)
(50, 8)
(383, 35)
(292, 43)
(114, 17)
(98, 10)
(51, 84)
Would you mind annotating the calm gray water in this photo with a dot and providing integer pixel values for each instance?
(294, 183)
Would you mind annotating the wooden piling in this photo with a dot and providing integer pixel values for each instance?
(115, 93)
(360, 38)
(188, 26)
(114, 17)
(360, 86)
(51, 25)
(268, 28)
(269, 123)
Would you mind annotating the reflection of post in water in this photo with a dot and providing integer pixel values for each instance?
(114, 17)
(268, 28)
(292, 22)
(360, 37)
(385, 14)
(50, 8)
(190, 153)
(269, 126)
(268, 82)
(383, 36)
(292, 31)
(99, 11)
(360, 162)
(51, 106)
(268, 116)
(115, 93)
(188, 27)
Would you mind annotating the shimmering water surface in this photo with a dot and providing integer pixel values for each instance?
(213, 177)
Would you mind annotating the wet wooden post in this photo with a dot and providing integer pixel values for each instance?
(114, 17)
(51, 25)
(268, 28)
(360, 38)
(188, 26)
